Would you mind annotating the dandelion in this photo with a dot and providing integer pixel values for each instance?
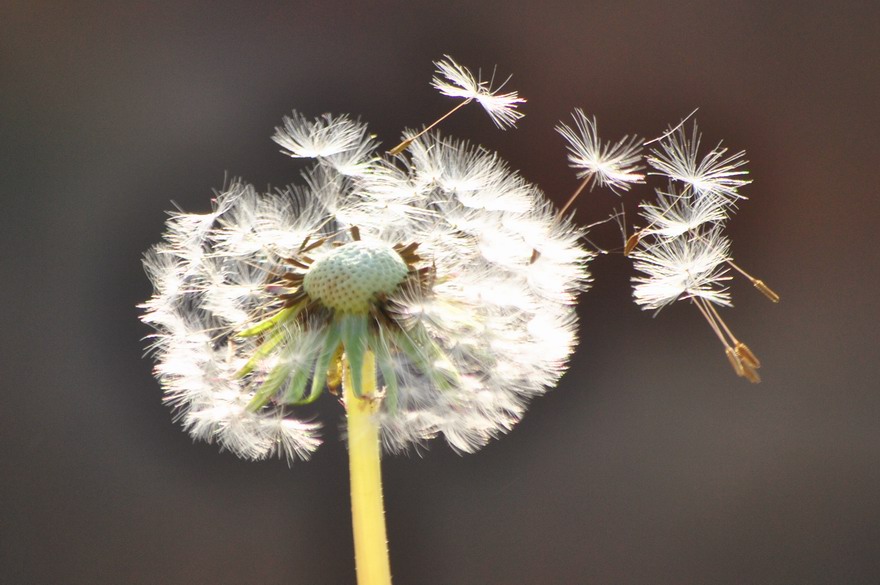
(457, 81)
(406, 287)
(275, 284)
(615, 166)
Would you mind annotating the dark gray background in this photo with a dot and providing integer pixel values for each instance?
(651, 463)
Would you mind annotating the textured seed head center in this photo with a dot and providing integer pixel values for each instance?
(351, 277)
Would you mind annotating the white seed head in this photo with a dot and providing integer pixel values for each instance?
(466, 337)
(350, 277)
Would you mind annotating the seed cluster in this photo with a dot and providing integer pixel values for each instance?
(352, 276)
(418, 264)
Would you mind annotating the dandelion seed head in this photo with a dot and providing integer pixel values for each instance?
(422, 260)
(350, 277)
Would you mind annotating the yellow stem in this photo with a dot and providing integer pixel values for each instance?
(367, 511)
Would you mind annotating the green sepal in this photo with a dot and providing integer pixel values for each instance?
(269, 387)
(294, 392)
(426, 354)
(319, 377)
(262, 351)
(353, 328)
(386, 366)
(271, 322)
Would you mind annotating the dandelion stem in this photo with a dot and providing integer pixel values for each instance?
(367, 510)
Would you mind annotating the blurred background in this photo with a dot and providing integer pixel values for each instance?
(650, 463)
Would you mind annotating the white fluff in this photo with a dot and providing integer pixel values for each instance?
(495, 328)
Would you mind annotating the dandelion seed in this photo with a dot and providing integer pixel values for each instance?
(713, 175)
(765, 290)
(338, 141)
(631, 242)
(675, 214)
(457, 81)
(743, 360)
(759, 284)
(615, 166)
(746, 355)
(682, 268)
(421, 263)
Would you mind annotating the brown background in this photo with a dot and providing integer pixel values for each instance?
(651, 463)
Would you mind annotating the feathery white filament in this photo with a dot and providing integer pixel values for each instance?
(682, 268)
(613, 165)
(713, 175)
